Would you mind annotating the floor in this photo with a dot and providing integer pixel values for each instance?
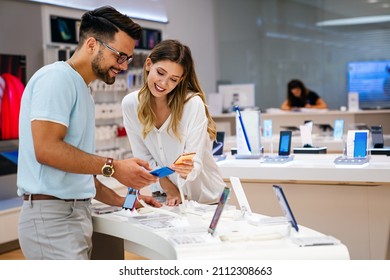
(18, 255)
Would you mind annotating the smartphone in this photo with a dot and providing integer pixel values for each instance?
(282, 199)
(162, 172)
(218, 211)
(218, 143)
(267, 131)
(338, 129)
(185, 156)
(285, 143)
(106, 209)
(377, 136)
(131, 198)
(360, 144)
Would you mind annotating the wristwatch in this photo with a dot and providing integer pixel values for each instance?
(108, 168)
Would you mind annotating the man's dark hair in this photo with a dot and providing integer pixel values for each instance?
(104, 22)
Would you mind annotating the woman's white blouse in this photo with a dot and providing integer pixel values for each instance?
(160, 148)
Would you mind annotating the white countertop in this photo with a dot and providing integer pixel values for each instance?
(309, 167)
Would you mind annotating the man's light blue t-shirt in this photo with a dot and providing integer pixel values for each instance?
(56, 93)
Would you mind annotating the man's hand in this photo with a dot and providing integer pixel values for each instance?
(133, 173)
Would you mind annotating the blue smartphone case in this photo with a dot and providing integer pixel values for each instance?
(162, 172)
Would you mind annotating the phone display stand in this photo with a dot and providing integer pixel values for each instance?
(352, 161)
(355, 149)
(271, 225)
(380, 151)
(310, 150)
(248, 134)
(253, 156)
(244, 213)
(277, 159)
(219, 157)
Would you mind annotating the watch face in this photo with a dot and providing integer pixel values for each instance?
(108, 171)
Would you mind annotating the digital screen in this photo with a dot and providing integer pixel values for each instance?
(241, 95)
(285, 143)
(360, 145)
(8, 162)
(267, 130)
(377, 136)
(371, 79)
(149, 39)
(285, 206)
(338, 130)
(131, 198)
(64, 30)
(218, 143)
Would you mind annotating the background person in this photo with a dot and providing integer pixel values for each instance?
(167, 117)
(57, 164)
(298, 96)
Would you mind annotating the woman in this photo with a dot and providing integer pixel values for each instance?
(298, 96)
(168, 116)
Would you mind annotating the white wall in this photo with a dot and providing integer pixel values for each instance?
(192, 22)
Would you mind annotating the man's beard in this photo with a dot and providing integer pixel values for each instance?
(101, 73)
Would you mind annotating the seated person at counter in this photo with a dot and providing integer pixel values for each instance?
(298, 96)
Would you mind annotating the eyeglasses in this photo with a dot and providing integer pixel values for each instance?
(122, 57)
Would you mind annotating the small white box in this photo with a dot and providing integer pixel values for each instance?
(353, 101)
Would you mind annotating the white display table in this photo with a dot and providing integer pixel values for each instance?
(110, 229)
(351, 203)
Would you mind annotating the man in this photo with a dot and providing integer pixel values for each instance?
(57, 167)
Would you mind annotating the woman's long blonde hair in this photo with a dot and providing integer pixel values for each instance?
(187, 88)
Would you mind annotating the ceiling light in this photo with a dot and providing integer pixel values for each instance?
(140, 11)
(354, 21)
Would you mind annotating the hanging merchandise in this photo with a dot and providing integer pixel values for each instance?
(10, 106)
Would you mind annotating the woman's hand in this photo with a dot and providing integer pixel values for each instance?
(173, 195)
(172, 192)
(184, 168)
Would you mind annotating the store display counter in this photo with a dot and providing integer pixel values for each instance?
(350, 202)
(114, 233)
